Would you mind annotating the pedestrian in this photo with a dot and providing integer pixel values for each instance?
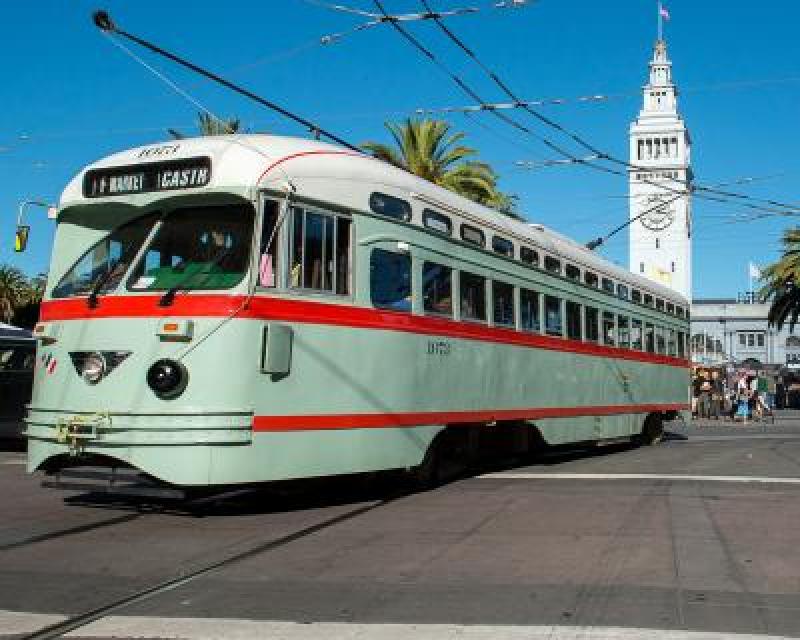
(717, 395)
(705, 398)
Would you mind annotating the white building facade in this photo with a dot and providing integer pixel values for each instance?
(660, 159)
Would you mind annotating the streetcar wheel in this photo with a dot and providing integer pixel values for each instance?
(652, 430)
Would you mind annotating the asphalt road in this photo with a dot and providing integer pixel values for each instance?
(698, 534)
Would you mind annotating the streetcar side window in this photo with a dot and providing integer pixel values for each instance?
(608, 286)
(573, 321)
(681, 344)
(473, 235)
(552, 316)
(529, 310)
(573, 273)
(437, 221)
(670, 308)
(636, 334)
(590, 279)
(623, 332)
(503, 301)
(320, 252)
(473, 297)
(649, 338)
(659, 304)
(661, 343)
(672, 347)
(622, 291)
(553, 265)
(636, 296)
(592, 318)
(268, 249)
(609, 331)
(529, 256)
(390, 206)
(390, 280)
(648, 300)
(503, 246)
(437, 293)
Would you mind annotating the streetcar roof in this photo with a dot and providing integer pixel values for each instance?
(269, 161)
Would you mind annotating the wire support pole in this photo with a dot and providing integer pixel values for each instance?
(103, 21)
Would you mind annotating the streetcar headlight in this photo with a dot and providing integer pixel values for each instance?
(94, 368)
(167, 378)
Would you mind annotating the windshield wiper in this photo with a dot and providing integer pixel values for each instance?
(168, 297)
(92, 301)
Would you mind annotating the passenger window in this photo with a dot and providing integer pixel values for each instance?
(661, 343)
(609, 331)
(472, 235)
(672, 347)
(636, 334)
(636, 296)
(592, 318)
(622, 291)
(503, 246)
(268, 253)
(437, 292)
(573, 273)
(320, 252)
(670, 308)
(390, 206)
(503, 300)
(623, 332)
(552, 265)
(390, 280)
(529, 310)
(608, 286)
(573, 320)
(681, 344)
(437, 221)
(473, 297)
(590, 279)
(529, 256)
(648, 300)
(649, 338)
(552, 315)
(659, 304)
(679, 310)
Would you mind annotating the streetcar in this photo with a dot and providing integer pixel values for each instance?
(231, 310)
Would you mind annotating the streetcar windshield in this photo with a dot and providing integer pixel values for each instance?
(106, 262)
(196, 248)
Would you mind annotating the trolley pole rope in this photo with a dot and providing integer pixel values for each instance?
(103, 22)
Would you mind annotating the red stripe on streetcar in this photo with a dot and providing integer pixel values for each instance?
(307, 312)
(302, 154)
(389, 420)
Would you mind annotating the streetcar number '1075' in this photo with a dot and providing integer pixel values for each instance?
(143, 178)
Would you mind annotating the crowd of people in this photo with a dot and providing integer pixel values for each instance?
(741, 396)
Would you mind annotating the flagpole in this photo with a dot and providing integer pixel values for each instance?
(660, 23)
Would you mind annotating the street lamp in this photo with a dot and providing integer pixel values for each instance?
(23, 230)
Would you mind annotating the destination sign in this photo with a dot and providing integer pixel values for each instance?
(145, 178)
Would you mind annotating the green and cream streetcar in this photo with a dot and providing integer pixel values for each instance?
(245, 309)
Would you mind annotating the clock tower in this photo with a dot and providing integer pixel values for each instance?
(660, 146)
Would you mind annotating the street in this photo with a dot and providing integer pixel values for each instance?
(700, 536)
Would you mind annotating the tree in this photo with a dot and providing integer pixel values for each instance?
(211, 126)
(428, 149)
(14, 291)
(782, 283)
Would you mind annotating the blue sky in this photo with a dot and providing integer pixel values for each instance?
(70, 97)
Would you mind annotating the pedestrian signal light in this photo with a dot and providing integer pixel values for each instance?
(21, 237)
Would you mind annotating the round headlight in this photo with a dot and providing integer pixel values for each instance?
(94, 368)
(167, 378)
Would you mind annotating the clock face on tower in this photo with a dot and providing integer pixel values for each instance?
(658, 217)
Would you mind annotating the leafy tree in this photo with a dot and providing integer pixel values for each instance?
(782, 282)
(14, 291)
(428, 149)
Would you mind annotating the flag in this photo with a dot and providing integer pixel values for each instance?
(662, 11)
(754, 271)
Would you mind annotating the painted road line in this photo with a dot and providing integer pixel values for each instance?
(17, 622)
(215, 628)
(636, 476)
(20, 462)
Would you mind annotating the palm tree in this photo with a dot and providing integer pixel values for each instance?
(782, 282)
(428, 149)
(14, 290)
(211, 126)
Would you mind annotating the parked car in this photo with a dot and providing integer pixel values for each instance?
(17, 359)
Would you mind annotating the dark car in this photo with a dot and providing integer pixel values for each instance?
(17, 358)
